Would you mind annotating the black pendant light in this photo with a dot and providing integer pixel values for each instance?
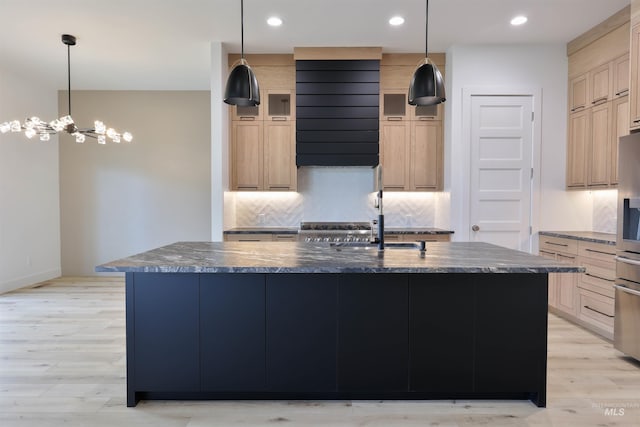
(242, 85)
(427, 85)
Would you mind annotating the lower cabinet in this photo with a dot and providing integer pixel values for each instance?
(369, 336)
(301, 332)
(166, 346)
(373, 347)
(450, 349)
(232, 324)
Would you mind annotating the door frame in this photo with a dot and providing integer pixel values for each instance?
(536, 146)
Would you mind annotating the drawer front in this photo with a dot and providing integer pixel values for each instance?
(285, 237)
(248, 237)
(426, 237)
(557, 244)
(596, 251)
(596, 309)
(599, 277)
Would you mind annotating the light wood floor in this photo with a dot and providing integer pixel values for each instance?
(62, 362)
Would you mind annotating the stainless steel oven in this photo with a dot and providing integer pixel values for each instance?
(627, 303)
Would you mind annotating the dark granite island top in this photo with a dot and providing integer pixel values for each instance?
(270, 257)
(281, 321)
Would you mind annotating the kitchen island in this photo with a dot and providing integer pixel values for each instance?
(297, 321)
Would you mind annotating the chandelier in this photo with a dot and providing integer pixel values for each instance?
(35, 126)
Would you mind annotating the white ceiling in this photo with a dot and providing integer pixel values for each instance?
(164, 44)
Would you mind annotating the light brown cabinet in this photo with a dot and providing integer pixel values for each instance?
(411, 144)
(600, 84)
(563, 287)
(634, 88)
(599, 158)
(621, 76)
(578, 93)
(620, 127)
(263, 144)
(579, 133)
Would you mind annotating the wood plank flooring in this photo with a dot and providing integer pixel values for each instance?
(62, 362)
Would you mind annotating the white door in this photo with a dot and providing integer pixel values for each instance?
(501, 170)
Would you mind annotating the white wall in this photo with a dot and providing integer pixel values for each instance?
(537, 66)
(29, 190)
(120, 199)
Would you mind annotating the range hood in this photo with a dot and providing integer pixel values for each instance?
(337, 112)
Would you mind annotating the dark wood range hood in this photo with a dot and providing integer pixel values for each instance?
(337, 112)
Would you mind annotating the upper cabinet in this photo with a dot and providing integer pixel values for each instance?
(599, 69)
(262, 138)
(634, 94)
(411, 137)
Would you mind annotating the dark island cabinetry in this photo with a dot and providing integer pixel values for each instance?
(336, 336)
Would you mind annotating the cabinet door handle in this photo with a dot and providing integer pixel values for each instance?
(247, 118)
(636, 121)
(598, 311)
(426, 117)
(580, 107)
(625, 91)
(279, 118)
(598, 252)
(556, 244)
(279, 188)
(394, 118)
(627, 260)
(598, 277)
(244, 187)
(599, 100)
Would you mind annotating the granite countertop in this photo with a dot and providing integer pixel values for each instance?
(294, 230)
(587, 236)
(416, 230)
(262, 230)
(274, 257)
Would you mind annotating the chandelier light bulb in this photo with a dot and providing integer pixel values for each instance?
(15, 126)
(127, 137)
(5, 127)
(80, 138)
(30, 133)
(45, 137)
(111, 133)
(99, 127)
(116, 138)
(57, 125)
(102, 139)
(67, 120)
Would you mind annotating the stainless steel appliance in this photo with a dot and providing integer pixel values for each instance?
(627, 305)
(331, 232)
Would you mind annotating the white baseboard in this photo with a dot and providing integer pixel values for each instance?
(31, 279)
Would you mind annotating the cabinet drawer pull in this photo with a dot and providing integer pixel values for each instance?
(278, 188)
(636, 121)
(244, 187)
(627, 260)
(580, 107)
(247, 118)
(426, 117)
(598, 311)
(625, 91)
(394, 118)
(598, 252)
(599, 100)
(598, 277)
(557, 244)
(279, 118)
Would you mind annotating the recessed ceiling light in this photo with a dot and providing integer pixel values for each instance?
(274, 21)
(396, 20)
(519, 20)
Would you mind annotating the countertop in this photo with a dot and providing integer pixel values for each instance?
(277, 257)
(262, 230)
(587, 236)
(294, 230)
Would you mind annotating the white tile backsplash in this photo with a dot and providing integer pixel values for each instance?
(605, 214)
(333, 194)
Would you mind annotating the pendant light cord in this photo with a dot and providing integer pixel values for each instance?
(426, 32)
(69, 76)
(242, 29)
